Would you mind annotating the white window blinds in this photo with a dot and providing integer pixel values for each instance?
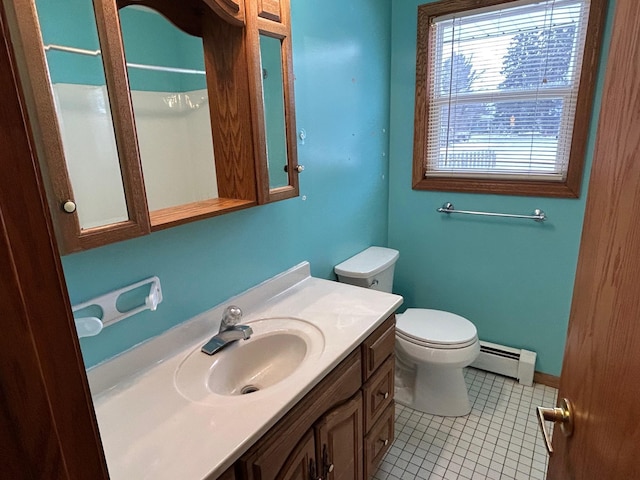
(503, 85)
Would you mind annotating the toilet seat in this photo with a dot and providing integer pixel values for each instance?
(435, 329)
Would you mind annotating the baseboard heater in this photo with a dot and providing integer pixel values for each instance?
(507, 361)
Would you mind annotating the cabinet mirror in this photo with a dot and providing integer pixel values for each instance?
(168, 90)
(268, 28)
(75, 103)
(82, 105)
(274, 118)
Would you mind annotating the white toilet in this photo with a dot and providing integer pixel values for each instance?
(432, 346)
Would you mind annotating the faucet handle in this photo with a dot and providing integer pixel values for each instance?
(231, 316)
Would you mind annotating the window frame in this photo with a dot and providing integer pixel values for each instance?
(568, 188)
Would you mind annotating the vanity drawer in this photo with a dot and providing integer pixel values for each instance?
(378, 393)
(378, 441)
(378, 346)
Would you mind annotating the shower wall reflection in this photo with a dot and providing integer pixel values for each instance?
(171, 109)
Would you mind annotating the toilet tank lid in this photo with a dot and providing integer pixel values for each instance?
(367, 263)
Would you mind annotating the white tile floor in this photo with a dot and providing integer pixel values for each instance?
(499, 439)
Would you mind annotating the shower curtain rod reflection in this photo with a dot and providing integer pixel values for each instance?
(141, 66)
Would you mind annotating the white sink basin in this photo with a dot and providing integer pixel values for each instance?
(258, 364)
(274, 353)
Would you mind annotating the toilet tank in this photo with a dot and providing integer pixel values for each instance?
(372, 268)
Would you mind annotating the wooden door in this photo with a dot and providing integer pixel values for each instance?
(47, 423)
(301, 464)
(339, 442)
(601, 370)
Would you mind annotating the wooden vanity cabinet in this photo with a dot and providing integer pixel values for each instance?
(301, 464)
(229, 474)
(338, 431)
(378, 440)
(339, 437)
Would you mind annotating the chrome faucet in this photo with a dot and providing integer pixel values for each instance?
(229, 331)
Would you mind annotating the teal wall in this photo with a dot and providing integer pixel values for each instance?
(513, 279)
(341, 65)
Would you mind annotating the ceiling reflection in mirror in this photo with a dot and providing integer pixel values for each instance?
(171, 109)
(82, 106)
(274, 115)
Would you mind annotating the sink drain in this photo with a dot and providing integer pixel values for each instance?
(249, 389)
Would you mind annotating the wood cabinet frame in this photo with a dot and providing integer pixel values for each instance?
(272, 18)
(31, 62)
(570, 187)
(230, 32)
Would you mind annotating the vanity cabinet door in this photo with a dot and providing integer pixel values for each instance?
(339, 439)
(278, 452)
(301, 464)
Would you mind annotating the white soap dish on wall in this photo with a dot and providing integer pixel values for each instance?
(91, 325)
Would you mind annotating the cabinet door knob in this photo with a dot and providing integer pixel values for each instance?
(296, 168)
(69, 206)
(385, 441)
(384, 395)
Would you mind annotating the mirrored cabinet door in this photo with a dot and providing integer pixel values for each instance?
(269, 30)
(79, 102)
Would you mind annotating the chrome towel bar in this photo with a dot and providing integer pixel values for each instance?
(538, 215)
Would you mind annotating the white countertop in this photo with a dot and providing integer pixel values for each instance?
(150, 430)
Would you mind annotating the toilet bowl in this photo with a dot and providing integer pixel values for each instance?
(432, 346)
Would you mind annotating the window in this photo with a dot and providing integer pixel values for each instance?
(504, 94)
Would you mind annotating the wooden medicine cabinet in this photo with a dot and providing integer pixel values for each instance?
(152, 113)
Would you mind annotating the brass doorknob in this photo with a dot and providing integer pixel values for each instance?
(562, 415)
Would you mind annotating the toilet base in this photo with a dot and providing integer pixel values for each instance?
(441, 391)
(435, 377)
(445, 394)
